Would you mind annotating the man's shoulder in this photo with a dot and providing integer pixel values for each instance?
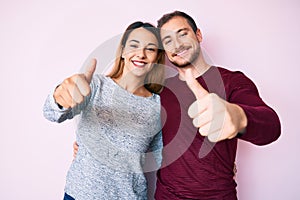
(235, 78)
(171, 80)
(229, 73)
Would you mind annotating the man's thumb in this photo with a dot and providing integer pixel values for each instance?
(90, 70)
(194, 85)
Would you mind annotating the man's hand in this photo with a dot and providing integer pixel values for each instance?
(216, 118)
(72, 90)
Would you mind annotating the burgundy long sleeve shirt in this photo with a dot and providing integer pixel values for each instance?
(193, 167)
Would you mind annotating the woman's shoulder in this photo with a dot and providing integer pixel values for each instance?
(101, 78)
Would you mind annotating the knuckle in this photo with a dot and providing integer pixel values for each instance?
(196, 122)
(232, 129)
(88, 91)
(202, 132)
(75, 78)
(79, 99)
(67, 80)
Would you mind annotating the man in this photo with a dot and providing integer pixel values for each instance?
(206, 110)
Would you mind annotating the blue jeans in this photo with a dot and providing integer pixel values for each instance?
(68, 197)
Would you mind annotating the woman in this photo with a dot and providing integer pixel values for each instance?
(119, 119)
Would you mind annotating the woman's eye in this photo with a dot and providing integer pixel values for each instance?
(151, 49)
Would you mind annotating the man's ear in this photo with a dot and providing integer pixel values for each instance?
(199, 35)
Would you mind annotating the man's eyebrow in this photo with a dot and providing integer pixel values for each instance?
(166, 37)
(182, 29)
(178, 31)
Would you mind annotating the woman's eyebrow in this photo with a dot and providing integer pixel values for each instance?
(133, 40)
(136, 41)
(152, 44)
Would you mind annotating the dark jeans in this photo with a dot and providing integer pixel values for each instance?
(68, 197)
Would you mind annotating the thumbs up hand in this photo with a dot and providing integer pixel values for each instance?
(216, 118)
(72, 90)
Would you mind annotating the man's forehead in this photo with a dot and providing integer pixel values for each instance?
(174, 25)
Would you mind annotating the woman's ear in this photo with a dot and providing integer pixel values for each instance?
(122, 52)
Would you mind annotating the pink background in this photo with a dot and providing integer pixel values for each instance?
(42, 42)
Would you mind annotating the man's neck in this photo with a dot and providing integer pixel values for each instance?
(199, 67)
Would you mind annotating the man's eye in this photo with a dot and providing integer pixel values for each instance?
(167, 42)
(183, 34)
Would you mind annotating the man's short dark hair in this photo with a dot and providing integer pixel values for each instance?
(166, 17)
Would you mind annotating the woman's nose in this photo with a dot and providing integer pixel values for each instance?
(141, 53)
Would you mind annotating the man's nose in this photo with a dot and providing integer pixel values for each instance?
(177, 43)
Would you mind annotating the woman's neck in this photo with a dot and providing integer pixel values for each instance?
(133, 84)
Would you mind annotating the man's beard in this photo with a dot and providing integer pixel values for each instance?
(195, 55)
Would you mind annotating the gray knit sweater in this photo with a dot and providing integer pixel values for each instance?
(116, 132)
